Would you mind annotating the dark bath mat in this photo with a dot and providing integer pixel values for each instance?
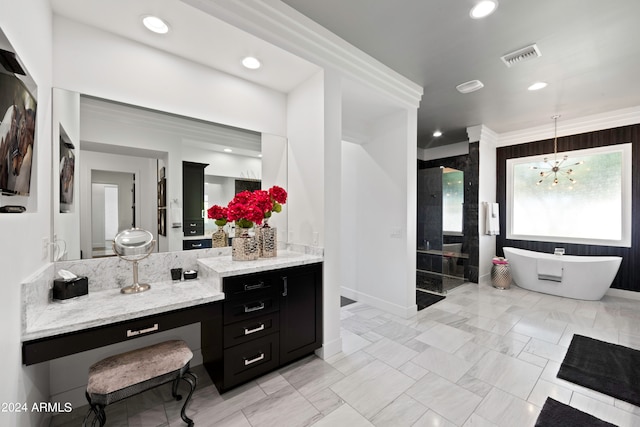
(345, 301)
(425, 299)
(601, 366)
(556, 414)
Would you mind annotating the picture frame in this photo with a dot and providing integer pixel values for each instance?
(67, 172)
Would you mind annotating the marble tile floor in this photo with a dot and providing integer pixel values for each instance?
(481, 357)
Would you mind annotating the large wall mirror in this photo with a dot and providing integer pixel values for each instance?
(121, 166)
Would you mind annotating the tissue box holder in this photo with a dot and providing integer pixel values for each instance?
(64, 289)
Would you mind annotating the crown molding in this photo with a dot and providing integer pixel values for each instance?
(591, 123)
(285, 27)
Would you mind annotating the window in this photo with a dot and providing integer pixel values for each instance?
(596, 210)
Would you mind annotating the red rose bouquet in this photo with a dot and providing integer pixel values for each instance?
(245, 209)
(219, 214)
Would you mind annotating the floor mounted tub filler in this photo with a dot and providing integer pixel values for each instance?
(579, 277)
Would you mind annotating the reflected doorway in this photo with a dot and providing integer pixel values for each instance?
(113, 209)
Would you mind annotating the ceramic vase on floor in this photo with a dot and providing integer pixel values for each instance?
(220, 238)
(244, 247)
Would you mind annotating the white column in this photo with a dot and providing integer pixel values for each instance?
(486, 193)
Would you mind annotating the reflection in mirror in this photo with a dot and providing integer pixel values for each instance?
(150, 146)
(113, 208)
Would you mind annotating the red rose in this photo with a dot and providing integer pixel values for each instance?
(217, 212)
(278, 194)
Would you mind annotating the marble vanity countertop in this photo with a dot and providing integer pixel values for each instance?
(110, 306)
(224, 266)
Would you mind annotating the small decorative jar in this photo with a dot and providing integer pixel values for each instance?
(219, 238)
(244, 247)
(267, 240)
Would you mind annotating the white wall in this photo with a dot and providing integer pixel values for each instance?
(274, 172)
(379, 190)
(27, 25)
(444, 151)
(305, 118)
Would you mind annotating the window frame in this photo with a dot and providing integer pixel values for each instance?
(626, 199)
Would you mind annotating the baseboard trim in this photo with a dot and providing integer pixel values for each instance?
(622, 293)
(329, 349)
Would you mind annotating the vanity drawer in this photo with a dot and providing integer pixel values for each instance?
(250, 329)
(250, 308)
(249, 285)
(247, 361)
(193, 227)
(196, 244)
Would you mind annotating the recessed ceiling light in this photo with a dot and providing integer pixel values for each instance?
(483, 9)
(251, 63)
(228, 150)
(537, 86)
(437, 133)
(155, 24)
(470, 86)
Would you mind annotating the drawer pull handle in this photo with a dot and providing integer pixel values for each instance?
(254, 330)
(285, 281)
(254, 287)
(193, 231)
(133, 333)
(254, 308)
(192, 225)
(258, 358)
(199, 245)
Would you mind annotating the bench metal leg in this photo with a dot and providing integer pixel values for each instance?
(192, 380)
(97, 411)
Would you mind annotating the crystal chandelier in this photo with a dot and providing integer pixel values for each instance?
(557, 167)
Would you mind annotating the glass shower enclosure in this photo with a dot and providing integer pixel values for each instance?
(441, 257)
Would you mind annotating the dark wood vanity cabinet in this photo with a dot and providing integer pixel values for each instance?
(193, 198)
(269, 319)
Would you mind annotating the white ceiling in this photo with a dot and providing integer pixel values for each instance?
(194, 35)
(590, 53)
(590, 57)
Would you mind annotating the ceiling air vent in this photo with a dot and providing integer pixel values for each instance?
(521, 55)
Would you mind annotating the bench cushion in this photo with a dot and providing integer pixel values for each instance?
(123, 370)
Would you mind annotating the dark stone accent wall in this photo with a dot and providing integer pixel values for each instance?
(628, 277)
(470, 165)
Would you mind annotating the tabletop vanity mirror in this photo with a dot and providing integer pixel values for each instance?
(118, 166)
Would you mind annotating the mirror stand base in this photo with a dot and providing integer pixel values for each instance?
(135, 288)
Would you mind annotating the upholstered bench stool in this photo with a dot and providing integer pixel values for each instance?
(124, 375)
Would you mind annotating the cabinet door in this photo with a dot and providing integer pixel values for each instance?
(300, 312)
(192, 190)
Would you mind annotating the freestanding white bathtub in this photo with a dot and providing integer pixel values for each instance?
(579, 277)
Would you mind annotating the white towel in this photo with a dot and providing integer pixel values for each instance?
(492, 219)
(549, 269)
(176, 217)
